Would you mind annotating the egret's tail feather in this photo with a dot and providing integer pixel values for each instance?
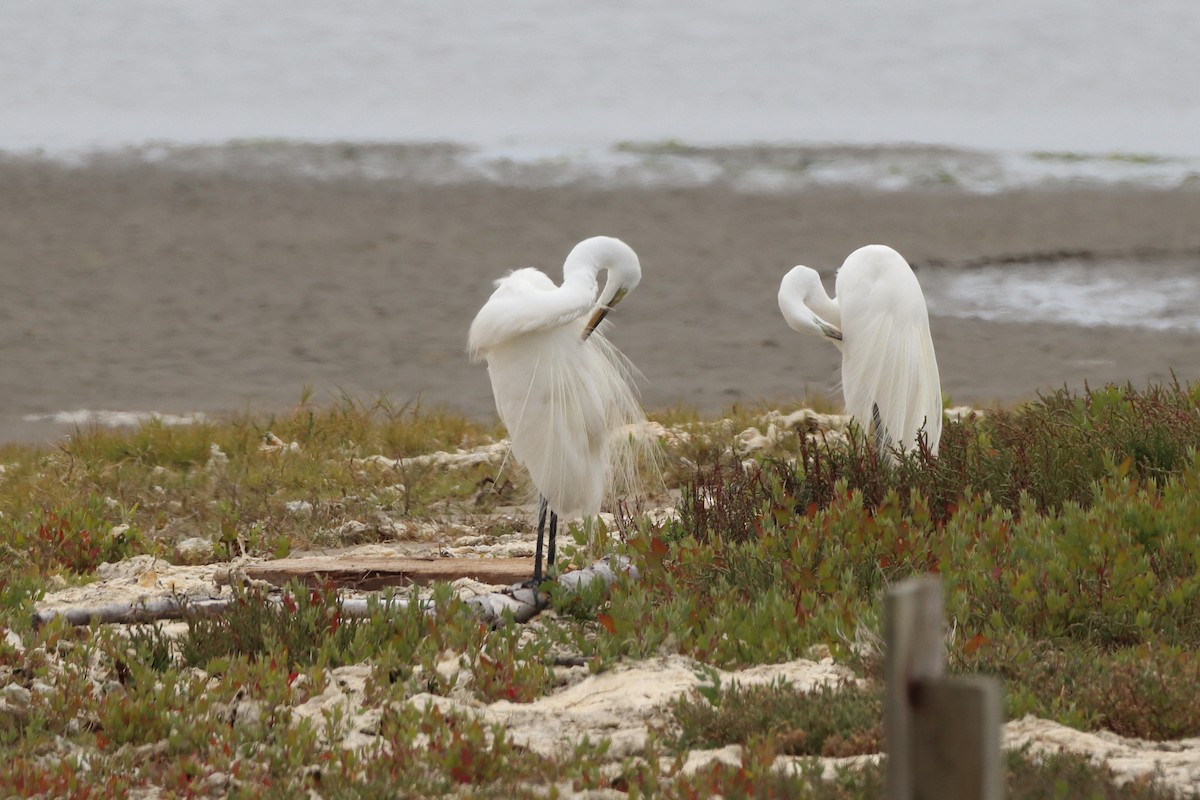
(633, 453)
(570, 428)
(896, 386)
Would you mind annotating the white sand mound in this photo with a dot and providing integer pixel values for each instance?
(135, 580)
(1177, 762)
(622, 704)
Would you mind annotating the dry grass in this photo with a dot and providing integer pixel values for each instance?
(1065, 532)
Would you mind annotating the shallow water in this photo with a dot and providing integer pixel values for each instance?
(751, 168)
(537, 76)
(1159, 295)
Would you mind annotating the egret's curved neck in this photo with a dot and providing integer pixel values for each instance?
(616, 258)
(580, 275)
(817, 299)
(801, 295)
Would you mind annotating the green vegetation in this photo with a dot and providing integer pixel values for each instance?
(1144, 159)
(1067, 534)
(666, 147)
(828, 721)
(229, 482)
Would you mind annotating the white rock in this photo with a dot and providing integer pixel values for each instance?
(354, 530)
(485, 454)
(622, 704)
(729, 755)
(16, 695)
(131, 568)
(273, 444)
(958, 413)
(1176, 763)
(216, 456)
(195, 547)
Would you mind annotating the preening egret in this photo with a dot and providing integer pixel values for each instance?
(561, 388)
(879, 321)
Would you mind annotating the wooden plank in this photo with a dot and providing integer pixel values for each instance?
(956, 725)
(375, 572)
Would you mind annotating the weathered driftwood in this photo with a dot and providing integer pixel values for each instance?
(376, 572)
(131, 613)
(522, 602)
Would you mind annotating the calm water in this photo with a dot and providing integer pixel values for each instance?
(1155, 295)
(1097, 76)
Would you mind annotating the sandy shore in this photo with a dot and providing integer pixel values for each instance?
(136, 286)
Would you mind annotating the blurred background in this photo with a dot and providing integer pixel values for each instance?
(207, 205)
(555, 77)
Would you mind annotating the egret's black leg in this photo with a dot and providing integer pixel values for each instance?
(537, 553)
(553, 536)
(880, 436)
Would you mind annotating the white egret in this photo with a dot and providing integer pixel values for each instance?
(561, 388)
(879, 321)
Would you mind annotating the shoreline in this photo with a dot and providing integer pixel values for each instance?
(142, 287)
(754, 167)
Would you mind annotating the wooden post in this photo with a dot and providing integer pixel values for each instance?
(942, 734)
(957, 730)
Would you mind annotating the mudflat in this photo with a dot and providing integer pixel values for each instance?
(131, 285)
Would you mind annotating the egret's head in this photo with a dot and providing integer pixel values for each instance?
(623, 273)
(802, 300)
(799, 283)
(602, 311)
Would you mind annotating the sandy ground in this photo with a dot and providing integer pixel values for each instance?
(136, 286)
(621, 705)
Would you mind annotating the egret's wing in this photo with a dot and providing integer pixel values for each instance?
(560, 397)
(888, 360)
(891, 367)
(554, 415)
(525, 300)
(567, 404)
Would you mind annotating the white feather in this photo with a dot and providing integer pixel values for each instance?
(563, 399)
(888, 360)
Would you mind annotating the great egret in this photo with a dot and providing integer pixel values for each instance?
(561, 388)
(879, 322)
